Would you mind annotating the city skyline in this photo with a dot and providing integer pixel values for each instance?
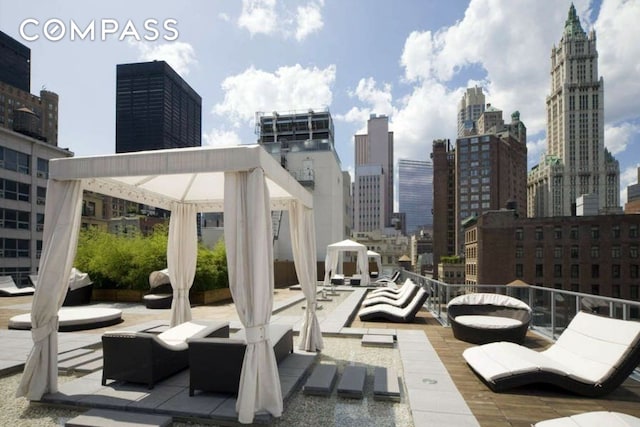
(414, 67)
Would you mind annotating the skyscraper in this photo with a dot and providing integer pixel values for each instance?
(373, 186)
(576, 161)
(155, 109)
(444, 196)
(415, 193)
(470, 108)
(15, 63)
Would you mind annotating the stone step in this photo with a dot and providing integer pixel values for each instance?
(321, 380)
(386, 385)
(352, 382)
(81, 360)
(112, 418)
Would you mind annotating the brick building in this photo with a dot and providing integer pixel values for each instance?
(590, 254)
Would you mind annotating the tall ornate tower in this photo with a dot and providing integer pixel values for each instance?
(576, 162)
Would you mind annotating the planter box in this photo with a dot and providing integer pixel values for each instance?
(117, 295)
(210, 296)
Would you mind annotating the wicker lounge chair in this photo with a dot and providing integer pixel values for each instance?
(388, 280)
(79, 291)
(481, 318)
(8, 288)
(387, 312)
(216, 363)
(592, 357)
(402, 299)
(141, 357)
(161, 294)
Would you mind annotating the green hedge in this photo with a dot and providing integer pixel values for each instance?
(125, 262)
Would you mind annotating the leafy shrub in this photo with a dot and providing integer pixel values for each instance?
(125, 262)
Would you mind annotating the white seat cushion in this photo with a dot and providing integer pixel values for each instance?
(177, 336)
(488, 322)
(593, 419)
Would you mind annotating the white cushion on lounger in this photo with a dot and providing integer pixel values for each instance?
(489, 299)
(177, 336)
(392, 289)
(399, 300)
(503, 359)
(593, 419)
(488, 322)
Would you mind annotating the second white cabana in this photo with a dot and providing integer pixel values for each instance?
(246, 183)
(377, 259)
(333, 256)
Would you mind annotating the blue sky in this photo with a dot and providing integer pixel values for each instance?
(408, 59)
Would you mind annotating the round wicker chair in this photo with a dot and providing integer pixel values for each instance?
(482, 318)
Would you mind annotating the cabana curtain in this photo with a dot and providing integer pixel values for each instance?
(248, 234)
(182, 254)
(303, 243)
(63, 209)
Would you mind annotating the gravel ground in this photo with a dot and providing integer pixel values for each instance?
(300, 411)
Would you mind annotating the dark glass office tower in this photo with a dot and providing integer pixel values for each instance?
(155, 109)
(15, 63)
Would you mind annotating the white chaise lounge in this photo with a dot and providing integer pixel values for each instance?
(403, 298)
(8, 288)
(592, 357)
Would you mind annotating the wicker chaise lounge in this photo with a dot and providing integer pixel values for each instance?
(481, 318)
(216, 363)
(402, 299)
(141, 357)
(391, 313)
(592, 357)
(161, 294)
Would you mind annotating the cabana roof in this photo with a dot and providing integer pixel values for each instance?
(188, 175)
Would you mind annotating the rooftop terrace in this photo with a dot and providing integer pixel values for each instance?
(437, 387)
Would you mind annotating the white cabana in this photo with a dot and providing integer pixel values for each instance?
(377, 258)
(244, 179)
(333, 255)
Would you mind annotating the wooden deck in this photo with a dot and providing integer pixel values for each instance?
(520, 407)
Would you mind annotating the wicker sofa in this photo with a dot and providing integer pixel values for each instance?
(480, 318)
(216, 363)
(147, 358)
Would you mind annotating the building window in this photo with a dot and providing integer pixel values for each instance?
(539, 234)
(615, 291)
(539, 270)
(595, 289)
(615, 271)
(557, 252)
(595, 271)
(633, 230)
(595, 232)
(519, 233)
(539, 252)
(615, 251)
(557, 270)
(574, 233)
(575, 271)
(633, 271)
(557, 233)
(595, 251)
(633, 251)
(519, 271)
(615, 232)
(633, 292)
(575, 251)
(519, 251)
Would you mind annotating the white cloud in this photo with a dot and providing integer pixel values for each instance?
(619, 57)
(309, 19)
(270, 17)
(258, 16)
(222, 137)
(535, 149)
(617, 137)
(179, 55)
(286, 89)
(224, 17)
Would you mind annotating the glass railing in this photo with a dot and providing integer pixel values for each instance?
(552, 309)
